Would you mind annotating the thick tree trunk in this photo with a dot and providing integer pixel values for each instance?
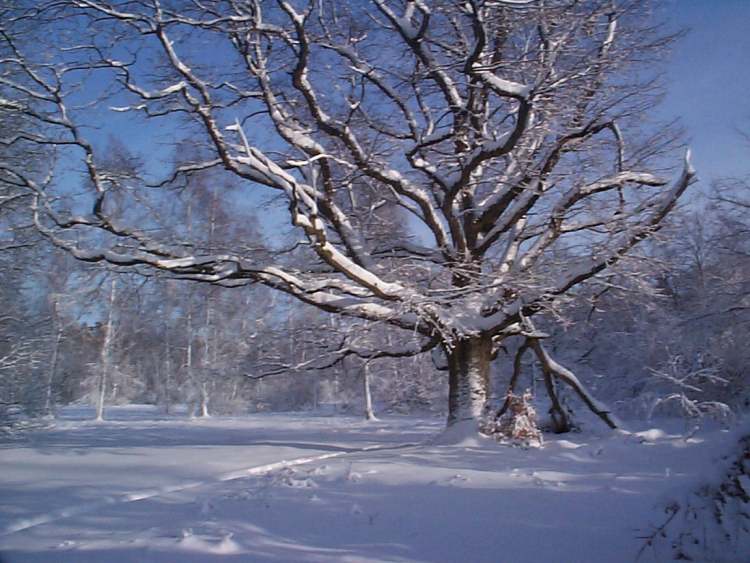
(469, 375)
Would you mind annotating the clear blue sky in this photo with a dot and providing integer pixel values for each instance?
(709, 83)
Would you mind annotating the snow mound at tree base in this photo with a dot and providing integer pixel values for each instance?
(463, 433)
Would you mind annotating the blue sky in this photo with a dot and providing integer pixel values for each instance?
(708, 90)
(708, 82)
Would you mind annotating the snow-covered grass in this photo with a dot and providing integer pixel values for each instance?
(297, 487)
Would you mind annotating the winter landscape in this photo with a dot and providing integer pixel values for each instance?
(375, 281)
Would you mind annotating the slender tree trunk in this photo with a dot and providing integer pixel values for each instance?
(167, 384)
(204, 399)
(208, 364)
(316, 392)
(48, 402)
(106, 351)
(206, 371)
(168, 374)
(469, 376)
(517, 368)
(559, 418)
(192, 406)
(369, 412)
(189, 356)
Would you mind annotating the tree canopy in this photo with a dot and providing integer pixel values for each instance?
(505, 137)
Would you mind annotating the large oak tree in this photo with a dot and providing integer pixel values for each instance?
(509, 133)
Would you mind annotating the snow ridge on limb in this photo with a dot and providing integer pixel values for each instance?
(569, 378)
(346, 348)
(646, 220)
(553, 371)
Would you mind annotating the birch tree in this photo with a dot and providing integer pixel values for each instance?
(105, 366)
(509, 132)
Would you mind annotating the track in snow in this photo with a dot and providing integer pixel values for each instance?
(60, 514)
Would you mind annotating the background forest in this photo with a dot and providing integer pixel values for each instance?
(665, 333)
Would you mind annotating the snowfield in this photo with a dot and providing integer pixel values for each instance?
(144, 487)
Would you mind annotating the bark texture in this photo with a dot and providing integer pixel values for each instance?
(469, 375)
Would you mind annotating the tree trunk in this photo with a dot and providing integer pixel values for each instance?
(189, 358)
(204, 399)
(560, 420)
(517, 367)
(207, 366)
(469, 375)
(167, 350)
(369, 411)
(569, 378)
(106, 358)
(168, 370)
(49, 405)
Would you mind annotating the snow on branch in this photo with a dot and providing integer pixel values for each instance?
(474, 126)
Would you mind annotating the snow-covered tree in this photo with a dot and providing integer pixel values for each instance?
(509, 133)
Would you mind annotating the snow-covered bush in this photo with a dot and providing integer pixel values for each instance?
(687, 390)
(518, 424)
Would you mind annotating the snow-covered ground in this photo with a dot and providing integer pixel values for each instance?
(143, 487)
